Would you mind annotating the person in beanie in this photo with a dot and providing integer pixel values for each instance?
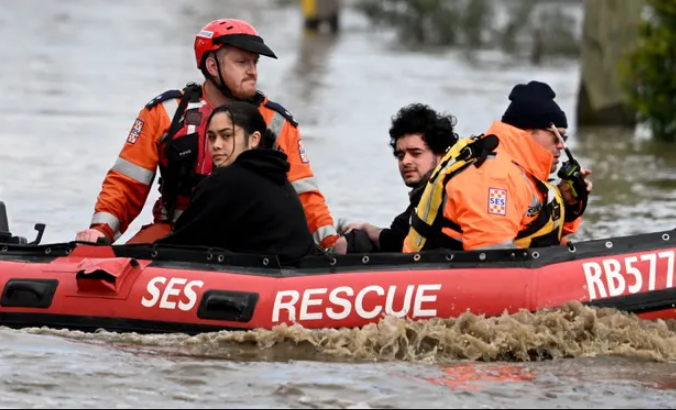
(506, 200)
(533, 109)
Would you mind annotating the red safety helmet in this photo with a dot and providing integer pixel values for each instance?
(232, 32)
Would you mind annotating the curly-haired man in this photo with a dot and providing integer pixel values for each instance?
(419, 137)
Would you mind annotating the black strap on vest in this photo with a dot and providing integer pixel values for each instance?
(191, 93)
(432, 233)
(179, 176)
(548, 211)
(480, 149)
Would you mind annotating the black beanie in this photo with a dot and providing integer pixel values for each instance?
(533, 107)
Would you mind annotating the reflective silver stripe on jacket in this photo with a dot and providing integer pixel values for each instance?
(304, 185)
(108, 219)
(276, 124)
(324, 232)
(133, 171)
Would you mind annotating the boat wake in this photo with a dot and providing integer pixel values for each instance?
(572, 331)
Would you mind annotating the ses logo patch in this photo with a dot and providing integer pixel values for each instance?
(497, 201)
(135, 131)
(302, 152)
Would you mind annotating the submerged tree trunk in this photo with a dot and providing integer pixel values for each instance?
(610, 27)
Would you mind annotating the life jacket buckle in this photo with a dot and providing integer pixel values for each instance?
(556, 211)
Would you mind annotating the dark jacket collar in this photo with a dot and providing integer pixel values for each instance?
(417, 192)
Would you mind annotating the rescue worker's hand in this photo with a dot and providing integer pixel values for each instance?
(567, 193)
(89, 235)
(340, 248)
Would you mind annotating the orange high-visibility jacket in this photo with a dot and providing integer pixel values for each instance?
(488, 207)
(127, 184)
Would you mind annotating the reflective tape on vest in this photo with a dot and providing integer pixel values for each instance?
(304, 185)
(192, 128)
(133, 171)
(324, 232)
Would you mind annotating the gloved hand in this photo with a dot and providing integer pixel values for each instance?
(567, 192)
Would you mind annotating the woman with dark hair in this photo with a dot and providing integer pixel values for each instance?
(247, 205)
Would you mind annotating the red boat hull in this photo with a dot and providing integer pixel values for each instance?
(147, 289)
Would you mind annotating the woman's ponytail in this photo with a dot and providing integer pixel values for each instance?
(268, 139)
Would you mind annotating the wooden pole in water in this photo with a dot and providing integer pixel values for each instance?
(316, 12)
(610, 27)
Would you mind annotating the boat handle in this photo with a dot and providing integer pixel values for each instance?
(41, 293)
(231, 306)
(223, 303)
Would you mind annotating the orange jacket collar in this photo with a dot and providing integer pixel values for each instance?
(523, 149)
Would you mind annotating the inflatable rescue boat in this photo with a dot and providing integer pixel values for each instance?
(159, 289)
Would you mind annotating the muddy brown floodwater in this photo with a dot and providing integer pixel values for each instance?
(75, 73)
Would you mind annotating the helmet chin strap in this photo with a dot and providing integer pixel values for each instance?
(227, 93)
(221, 86)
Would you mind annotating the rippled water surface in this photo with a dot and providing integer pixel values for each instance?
(74, 74)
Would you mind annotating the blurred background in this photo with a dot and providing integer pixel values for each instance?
(75, 73)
